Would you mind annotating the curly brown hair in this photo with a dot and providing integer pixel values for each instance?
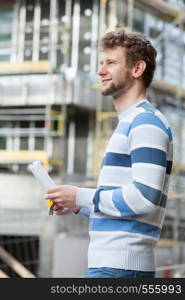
(138, 47)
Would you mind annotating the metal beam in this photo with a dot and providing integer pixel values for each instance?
(165, 10)
(15, 264)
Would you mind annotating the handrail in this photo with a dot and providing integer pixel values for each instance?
(3, 274)
(15, 264)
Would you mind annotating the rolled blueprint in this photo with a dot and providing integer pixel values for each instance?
(44, 179)
(40, 173)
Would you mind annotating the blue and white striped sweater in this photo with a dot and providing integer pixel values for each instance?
(127, 209)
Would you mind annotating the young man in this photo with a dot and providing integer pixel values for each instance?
(127, 209)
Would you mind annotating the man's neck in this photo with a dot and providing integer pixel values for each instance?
(124, 101)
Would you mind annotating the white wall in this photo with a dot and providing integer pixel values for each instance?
(70, 256)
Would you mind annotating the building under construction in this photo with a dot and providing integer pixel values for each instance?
(51, 110)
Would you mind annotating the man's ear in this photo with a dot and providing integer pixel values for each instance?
(139, 69)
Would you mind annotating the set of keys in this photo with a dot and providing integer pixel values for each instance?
(51, 206)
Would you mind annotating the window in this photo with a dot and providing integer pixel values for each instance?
(2, 137)
(29, 30)
(44, 30)
(39, 143)
(85, 35)
(6, 21)
(2, 143)
(23, 143)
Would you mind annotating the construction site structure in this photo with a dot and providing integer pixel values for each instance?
(51, 110)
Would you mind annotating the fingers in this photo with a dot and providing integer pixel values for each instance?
(65, 195)
(59, 211)
(54, 189)
(55, 197)
(51, 196)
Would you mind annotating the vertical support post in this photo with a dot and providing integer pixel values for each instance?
(90, 147)
(15, 27)
(48, 142)
(21, 39)
(71, 148)
(75, 35)
(36, 31)
(130, 13)
(94, 38)
(53, 34)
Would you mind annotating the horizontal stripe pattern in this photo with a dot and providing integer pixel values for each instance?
(151, 119)
(148, 155)
(142, 137)
(117, 176)
(116, 159)
(129, 205)
(153, 195)
(147, 107)
(118, 144)
(129, 117)
(120, 204)
(129, 201)
(106, 205)
(132, 226)
(123, 128)
(149, 174)
(144, 209)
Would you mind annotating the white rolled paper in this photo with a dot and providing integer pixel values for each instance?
(40, 173)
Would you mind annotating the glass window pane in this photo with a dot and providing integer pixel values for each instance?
(2, 143)
(28, 37)
(24, 143)
(24, 124)
(85, 30)
(39, 143)
(44, 30)
(6, 20)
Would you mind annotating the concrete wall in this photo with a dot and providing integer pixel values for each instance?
(70, 256)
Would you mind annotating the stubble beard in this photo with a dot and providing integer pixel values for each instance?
(115, 90)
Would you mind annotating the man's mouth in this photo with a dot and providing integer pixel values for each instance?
(104, 81)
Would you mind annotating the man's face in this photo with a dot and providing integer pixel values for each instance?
(116, 77)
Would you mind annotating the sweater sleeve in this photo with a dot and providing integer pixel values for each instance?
(84, 198)
(144, 197)
(83, 212)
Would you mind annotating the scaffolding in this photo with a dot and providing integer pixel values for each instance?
(51, 110)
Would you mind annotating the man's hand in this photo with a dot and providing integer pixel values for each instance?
(63, 196)
(60, 211)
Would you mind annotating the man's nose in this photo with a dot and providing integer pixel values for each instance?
(102, 70)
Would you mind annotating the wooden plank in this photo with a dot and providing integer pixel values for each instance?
(23, 157)
(24, 67)
(168, 87)
(15, 264)
(3, 274)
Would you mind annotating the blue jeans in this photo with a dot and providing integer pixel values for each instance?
(117, 273)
